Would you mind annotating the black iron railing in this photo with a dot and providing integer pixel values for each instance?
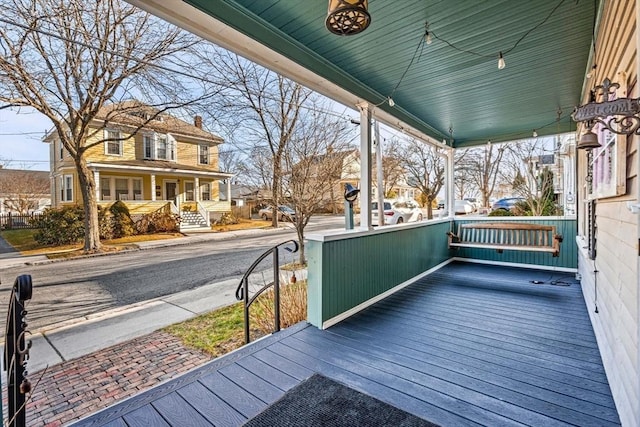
(16, 352)
(242, 293)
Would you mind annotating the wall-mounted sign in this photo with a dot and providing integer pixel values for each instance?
(618, 115)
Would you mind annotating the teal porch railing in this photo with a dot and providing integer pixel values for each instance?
(348, 270)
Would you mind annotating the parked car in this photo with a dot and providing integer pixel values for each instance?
(507, 204)
(285, 213)
(397, 212)
(474, 202)
(464, 207)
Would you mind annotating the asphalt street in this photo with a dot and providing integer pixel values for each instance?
(78, 288)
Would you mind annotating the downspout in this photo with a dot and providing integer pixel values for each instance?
(450, 184)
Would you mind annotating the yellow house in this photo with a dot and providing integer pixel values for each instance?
(167, 164)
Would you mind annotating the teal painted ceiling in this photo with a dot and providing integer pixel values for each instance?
(453, 83)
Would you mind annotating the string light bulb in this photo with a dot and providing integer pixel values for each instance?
(427, 34)
(590, 73)
(428, 38)
(501, 63)
(535, 134)
(391, 103)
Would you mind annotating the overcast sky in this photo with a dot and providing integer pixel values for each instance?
(21, 140)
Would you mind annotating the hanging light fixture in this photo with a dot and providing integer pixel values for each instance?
(348, 17)
(427, 34)
(501, 63)
(535, 134)
(588, 141)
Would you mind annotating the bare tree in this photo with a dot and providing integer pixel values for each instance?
(23, 189)
(425, 169)
(393, 172)
(68, 58)
(526, 167)
(482, 166)
(262, 106)
(313, 162)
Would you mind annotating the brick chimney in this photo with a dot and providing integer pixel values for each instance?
(197, 122)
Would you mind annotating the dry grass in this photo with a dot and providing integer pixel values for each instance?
(23, 241)
(243, 224)
(222, 330)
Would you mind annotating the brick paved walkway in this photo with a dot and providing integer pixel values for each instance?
(79, 387)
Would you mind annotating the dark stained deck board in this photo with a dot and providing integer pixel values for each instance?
(211, 406)
(470, 344)
(144, 416)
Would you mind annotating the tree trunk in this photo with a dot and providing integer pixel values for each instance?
(302, 258)
(91, 223)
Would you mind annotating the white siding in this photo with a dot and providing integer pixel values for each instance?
(616, 320)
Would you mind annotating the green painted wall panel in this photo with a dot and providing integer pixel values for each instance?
(345, 273)
(568, 257)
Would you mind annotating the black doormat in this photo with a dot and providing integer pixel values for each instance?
(319, 401)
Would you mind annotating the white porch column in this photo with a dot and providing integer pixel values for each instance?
(450, 188)
(365, 166)
(96, 179)
(196, 189)
(229, 191)
(637, 414)
(153, 188)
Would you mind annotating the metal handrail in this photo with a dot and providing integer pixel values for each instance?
(16, 351)
(242, 292)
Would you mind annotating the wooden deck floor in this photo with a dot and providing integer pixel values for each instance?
(468, 345)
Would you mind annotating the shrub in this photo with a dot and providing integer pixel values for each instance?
(120, 220)
(158, 221)
(60, 226)
(227, 218)
(293, 307)
(501, 212)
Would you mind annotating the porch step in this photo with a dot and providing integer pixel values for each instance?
(192, 220)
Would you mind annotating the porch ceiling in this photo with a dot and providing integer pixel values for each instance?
(546, 47)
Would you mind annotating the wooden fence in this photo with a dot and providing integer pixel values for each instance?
(13, 221)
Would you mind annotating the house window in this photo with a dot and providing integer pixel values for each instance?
(113, 143)
(188, 192)
(608, 164)
(205, 191)
(122, 189)
(159, 146)
(105, 188)
(203, 154)
(66, 189)
(147, 146)
(137, 189)
(61, 150)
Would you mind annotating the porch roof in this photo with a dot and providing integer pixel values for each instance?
(451, 84)
(158, 166)
(467, 345)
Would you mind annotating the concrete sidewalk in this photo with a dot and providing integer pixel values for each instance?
(82, 336)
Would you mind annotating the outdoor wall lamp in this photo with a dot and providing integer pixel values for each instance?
(350, 196)
(619, 115)
(348, 17)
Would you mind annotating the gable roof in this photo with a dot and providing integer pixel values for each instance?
(135, 113)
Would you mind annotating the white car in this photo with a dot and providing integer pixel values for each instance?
(464, 207)
(397, 212)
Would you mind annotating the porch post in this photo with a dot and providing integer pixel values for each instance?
(450, 190)
(229, 191)
(196, 189)
(96, 178)
(153, 188)
(365, 166)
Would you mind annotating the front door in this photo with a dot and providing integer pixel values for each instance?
(170, 191)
